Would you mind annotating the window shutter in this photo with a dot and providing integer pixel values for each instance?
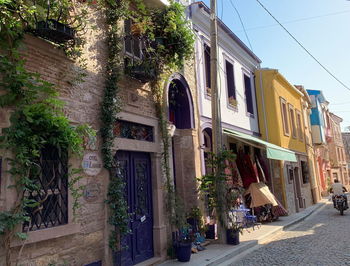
(128, 38)
(231, 89)
(248, 94)
(207, 65)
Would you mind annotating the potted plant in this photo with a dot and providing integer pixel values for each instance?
(166, 35)
(233, 230)
(223, 195)
(183, 243)
(141, 70)
(55, 31)
(234, 225)
(232, 101)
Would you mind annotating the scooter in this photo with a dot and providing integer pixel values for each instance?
(340, 203)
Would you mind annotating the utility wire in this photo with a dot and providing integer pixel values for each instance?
(222, 10)
(298, 20)
(307, 51)
(240, 19)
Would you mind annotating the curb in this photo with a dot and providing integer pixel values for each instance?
(248, 247)
(230, 256)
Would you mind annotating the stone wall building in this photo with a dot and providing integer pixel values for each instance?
(137, 147)
(80, 241)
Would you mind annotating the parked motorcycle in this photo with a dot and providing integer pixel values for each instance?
(340, 203)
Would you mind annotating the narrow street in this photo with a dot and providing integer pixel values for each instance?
(322, 239)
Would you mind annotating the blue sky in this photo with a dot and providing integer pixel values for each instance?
(322, 26)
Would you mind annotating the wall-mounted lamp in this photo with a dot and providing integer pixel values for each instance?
(171, 129)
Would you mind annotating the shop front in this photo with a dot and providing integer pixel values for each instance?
(260, 175)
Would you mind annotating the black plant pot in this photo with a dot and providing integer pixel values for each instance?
(232, 237)
(55, 31)
(210, 233)
(140, 72)
(183, 251)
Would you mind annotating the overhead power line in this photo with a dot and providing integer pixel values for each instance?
(240, 19)
(302, 46)
(298, 20)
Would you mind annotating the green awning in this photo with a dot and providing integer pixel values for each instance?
(273, 151)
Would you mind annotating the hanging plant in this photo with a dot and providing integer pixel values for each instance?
(165, 34)
(167, 40)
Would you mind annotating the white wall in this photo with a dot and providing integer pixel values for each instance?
(228, 49)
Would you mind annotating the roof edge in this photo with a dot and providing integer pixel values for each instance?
(201, 4)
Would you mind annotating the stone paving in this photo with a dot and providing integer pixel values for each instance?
(322, 239)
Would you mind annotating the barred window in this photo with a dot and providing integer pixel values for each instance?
(305, 172)
(52, 194)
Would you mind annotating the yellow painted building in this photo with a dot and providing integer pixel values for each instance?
(281, 121)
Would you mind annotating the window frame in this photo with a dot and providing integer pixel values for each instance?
(251, 84)
(285, 120)
(207, 70)
(299, 125)
(234, 89)
(133, 39)
(305, 171)
(291, 112)
(60, 189)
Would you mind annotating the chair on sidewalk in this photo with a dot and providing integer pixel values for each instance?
(244, 217)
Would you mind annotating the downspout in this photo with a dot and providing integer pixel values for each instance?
(263, 106)
(265, 125)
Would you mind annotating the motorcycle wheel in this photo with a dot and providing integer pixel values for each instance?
(341, 210)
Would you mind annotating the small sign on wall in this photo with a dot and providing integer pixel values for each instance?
(92, 192)
(0, 170)
(92, 163)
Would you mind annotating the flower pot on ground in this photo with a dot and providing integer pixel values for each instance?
(234, 228)
(210, 233)
(183, 240)
(232, 237)
(183, 251)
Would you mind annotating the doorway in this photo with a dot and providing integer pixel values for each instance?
(136, 170)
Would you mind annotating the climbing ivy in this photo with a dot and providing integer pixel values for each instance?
(111, 105)
(170, 24)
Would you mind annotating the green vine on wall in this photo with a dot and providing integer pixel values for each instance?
(168, 23)
(111, 105)
(36, 121)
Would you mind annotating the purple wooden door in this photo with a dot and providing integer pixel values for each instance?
(136, 169)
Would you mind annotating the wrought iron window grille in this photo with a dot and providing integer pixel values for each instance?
(51, 192)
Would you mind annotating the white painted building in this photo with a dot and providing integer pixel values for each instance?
(237, 64)
(235, 75)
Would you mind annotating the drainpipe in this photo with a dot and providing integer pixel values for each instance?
(263, 106)
(265, 125)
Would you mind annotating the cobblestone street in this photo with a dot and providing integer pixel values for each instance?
(322, 239)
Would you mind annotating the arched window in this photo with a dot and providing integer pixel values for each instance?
(180, 104)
